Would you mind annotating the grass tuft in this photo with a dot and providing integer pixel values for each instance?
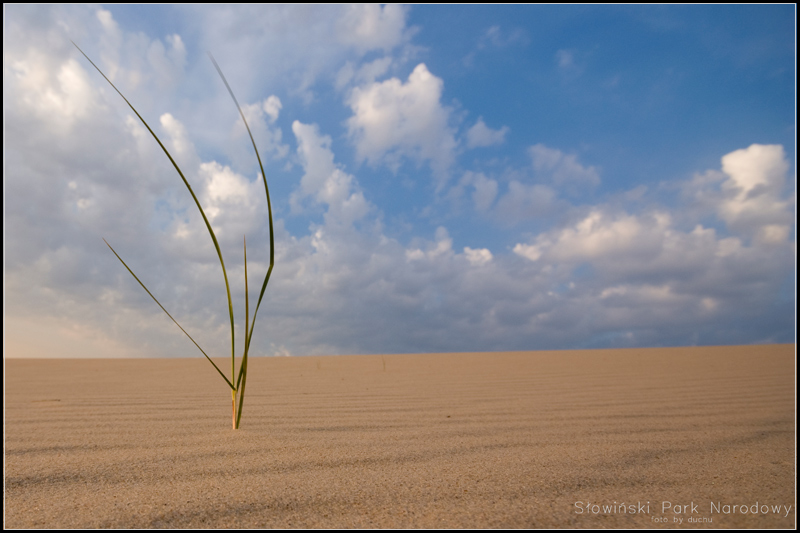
(237, 390)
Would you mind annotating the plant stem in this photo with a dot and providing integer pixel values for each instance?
(233, 407)
(248, 330)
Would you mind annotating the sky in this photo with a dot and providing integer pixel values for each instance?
(443, 178)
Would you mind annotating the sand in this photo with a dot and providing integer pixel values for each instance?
(636, 438)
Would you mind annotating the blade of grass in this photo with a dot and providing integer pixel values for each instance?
(196, 201)
(248, 335)
(243, 372)
(246, 309)
(242, 378)
(169, 315)
(266, 188)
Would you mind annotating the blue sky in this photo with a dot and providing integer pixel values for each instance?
(444, 178)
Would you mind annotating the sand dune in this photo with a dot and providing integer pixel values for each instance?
(602, 438)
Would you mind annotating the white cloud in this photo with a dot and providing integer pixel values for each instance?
(324, 181)
(182, 147)
(772, 234)
(261, 117)
(482, 135)
(524, 202)
(643, 271)
(392, 120)
(519, 203)
(167, 64)
(528, 251)
(748, 194)
(234, 204)
(59, 93)
(371, 26)
(80, 166)
(365, 74)
(556, 172)
(477, 257)
(443, 247)
(224, 185)
(563, 169)
(600, 235)
(298, 45)
(752, 203)
(485, 192)
(272, 107)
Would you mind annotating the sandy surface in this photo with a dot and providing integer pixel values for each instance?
(603, 438)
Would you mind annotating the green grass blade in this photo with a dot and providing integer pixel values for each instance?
(196, 201)
(249, 334)
(243, 370)
(269, 208)
(246, 310)
(169, 315)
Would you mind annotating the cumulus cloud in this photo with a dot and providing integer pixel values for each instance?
(272, 107)
(480, 256)
(364, 74)
(169, 62)
(392, 120)
(79, 167)
(138, 61)
(562, 169)
(104, 175)
(324, 181)
(301, 45)
(485, 192)
(482, 135)
(371, 26)
(261, 117)
(752, 203)
(600, 236)
(527, 195)
(181, 146)
(228, 192)
(644, 267)
(525, 202)
(59, 92)
(443, 247)
(644, 270)
(748, 194)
